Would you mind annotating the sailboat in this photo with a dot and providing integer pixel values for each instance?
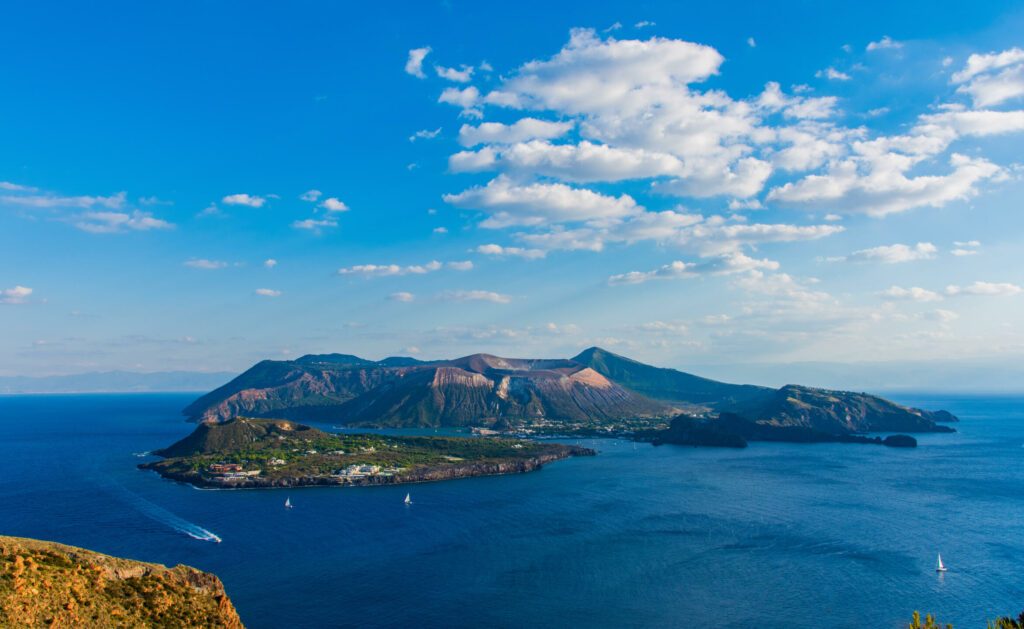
(288, 503)
(939, 566)
(408, 499)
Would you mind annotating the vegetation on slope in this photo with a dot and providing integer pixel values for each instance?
(45, 584)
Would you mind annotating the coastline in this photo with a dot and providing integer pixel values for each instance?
(418, 475)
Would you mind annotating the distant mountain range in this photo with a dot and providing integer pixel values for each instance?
(593, 389)
(116, 382)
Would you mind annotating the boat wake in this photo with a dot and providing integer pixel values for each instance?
(163, 516)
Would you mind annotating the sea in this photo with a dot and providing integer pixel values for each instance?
(776, 535)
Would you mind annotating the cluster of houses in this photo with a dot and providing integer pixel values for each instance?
(229, 472)
(353, 472)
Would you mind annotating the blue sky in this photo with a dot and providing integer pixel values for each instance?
(202, 185)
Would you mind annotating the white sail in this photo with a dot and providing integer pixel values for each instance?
(408, 499)
(288, 503)
(939, 566)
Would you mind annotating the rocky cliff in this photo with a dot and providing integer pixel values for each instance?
(45, 584)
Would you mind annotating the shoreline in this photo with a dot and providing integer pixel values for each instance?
(427, 475)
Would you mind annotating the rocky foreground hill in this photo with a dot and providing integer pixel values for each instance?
(593, 389)
(45, 584)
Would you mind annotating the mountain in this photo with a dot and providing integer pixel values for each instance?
(45, 584)
(670, 384)
(476, 390)
(596, 388)
(115, 382)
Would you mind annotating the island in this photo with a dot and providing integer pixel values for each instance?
(595, 393)
(729, 430)
(263, 453)
(46, 584)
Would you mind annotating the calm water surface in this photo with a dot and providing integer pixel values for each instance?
(776, 535)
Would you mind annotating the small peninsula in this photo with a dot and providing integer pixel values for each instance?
(46, 584)
(254, 453)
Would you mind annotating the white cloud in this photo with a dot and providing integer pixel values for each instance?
(119, 222)
(992, 78)
(414, 64)
(644, 24)
(425, 134)
(402, 296)
(894, 254)
(981, 63)
(886, 43)
(882, 187)
(384, 270)
(832, 74)
(268, 292)
(270, 263)
(311, 195)
(466, 98)
(47, 201)
(538, 203)
(333, 204)
(475, 295)
(247, 200)
(942, 315)
(521, 130)
(16, 295)
(203, 263)
(13, 187)
(724, 265)
(462, 75)
(460, 265)
(984, 289)
(752, 42)
(440, 230)
(518, 252)
(315, 225)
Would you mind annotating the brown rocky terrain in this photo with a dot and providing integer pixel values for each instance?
(46, 584)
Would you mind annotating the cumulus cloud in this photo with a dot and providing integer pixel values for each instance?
(463, 75)
(724, 265)
(311, 195)
(402, 296)
(385, 270)
(119, 222)
(966, 248)
(914, 293)
(203, 263)
(333, 204)
(47, 201)
(521, 130)
(414, 63)
(984, 289)
(475, 295)
(893, 254)
(832, 74)
(14, 187)
(247, 200)
(270, 263)
(16, 295)
(517, 252)
(315, 225)
(882, 187)
(267, 292)
(425, 134)
(992, 78)
(510, 203)
(886, 43)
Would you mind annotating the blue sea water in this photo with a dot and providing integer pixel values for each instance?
(777, 535)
